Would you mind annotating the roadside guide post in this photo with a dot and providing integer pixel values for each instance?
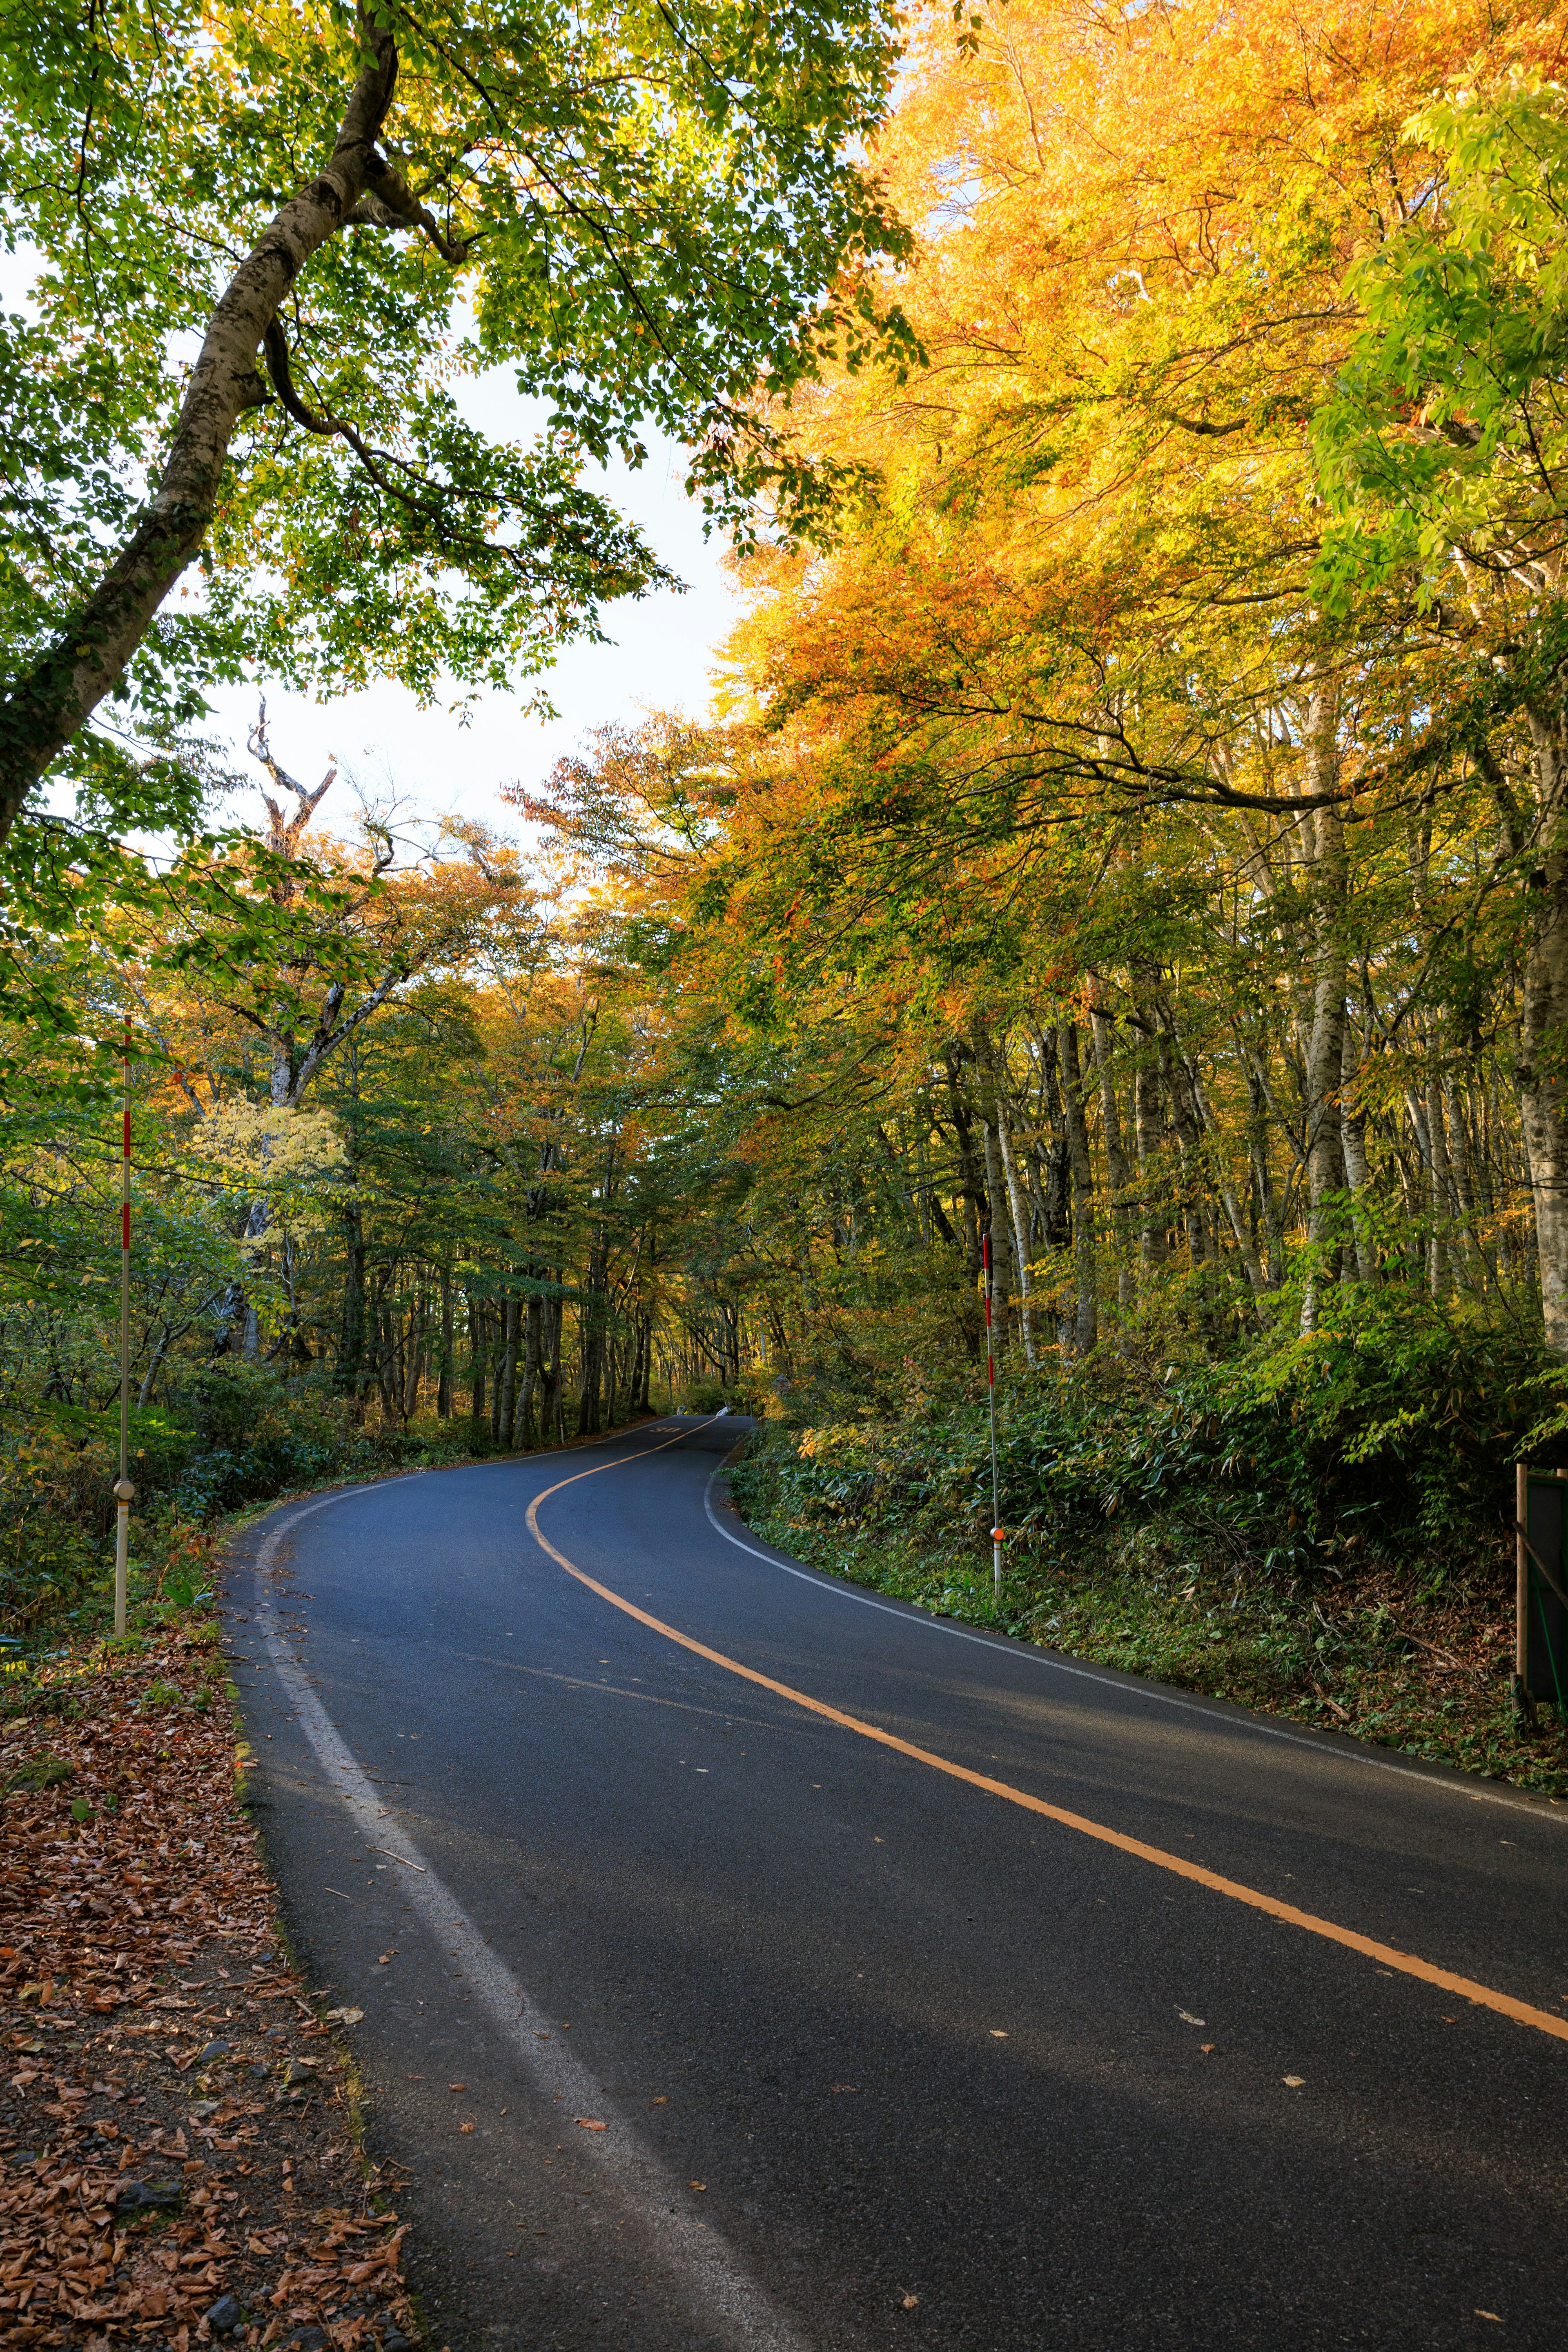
(990, 1383)
(1540, 1600)
(123, 1490)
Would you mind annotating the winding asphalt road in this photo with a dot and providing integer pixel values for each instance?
(931, 1990)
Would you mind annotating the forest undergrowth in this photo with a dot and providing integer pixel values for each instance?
(1314, 1527)
(232, 1438)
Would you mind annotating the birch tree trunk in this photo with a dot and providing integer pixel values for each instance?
(1189, 1135)
(1241, 1230)
(1544, 1028)
(1440, 1246)
(1018, 1210)
(1086, 1322)
(1353, 1136)
(1149, 1136)
(1324, 829)
(1116, 1166)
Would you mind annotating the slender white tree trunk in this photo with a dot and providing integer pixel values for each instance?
(1325, 1042)
(1543, 1031)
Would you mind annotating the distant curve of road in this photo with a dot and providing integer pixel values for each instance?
(748, 1960)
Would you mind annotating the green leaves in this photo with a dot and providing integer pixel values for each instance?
(641, 212)
(1444, 450)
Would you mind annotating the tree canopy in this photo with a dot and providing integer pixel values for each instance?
(269, 248)
(1129, 840)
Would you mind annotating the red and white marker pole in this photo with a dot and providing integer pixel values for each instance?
(124, 1491)
(990, 1383)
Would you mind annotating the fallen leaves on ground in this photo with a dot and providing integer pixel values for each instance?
(165, 2140)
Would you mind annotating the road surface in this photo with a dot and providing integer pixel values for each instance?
(929, 1989)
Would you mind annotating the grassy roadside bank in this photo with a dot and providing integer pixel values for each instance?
(1415, 1656)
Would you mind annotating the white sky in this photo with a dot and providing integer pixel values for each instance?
(660, 657)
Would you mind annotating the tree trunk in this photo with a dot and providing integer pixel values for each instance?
(508, 1373)
(66, 683)
(1542, 1063)
(1001, 1287)
(1470, 1184)
(969, 1180)
(144, 1394)
(1189, 1136)
(1325, 1044)
(349, 1380)
(476, 1360)
(1019, 1212)
(1116, 1166)
(1269, 1214)
(258, 1217)
(523, 1419)
(386, 1364)
(1087, 1324)
(415, 1363)
(1441, 1202)
(1003, 1278)
(591, 1341)
(554, 1419)
(1352, 1137)
(1149, 1136)
(1240, 1228)
(444, 1380)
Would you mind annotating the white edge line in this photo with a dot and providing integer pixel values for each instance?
(693, 2252)
(913, 1614)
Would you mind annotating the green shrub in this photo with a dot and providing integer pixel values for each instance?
(53, 1513)
(703, 1396)
(1391, 1428)
(711, 1396)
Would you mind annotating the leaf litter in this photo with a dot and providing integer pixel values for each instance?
(167, 2151)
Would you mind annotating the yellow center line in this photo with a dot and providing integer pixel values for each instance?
(1386, 1954)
